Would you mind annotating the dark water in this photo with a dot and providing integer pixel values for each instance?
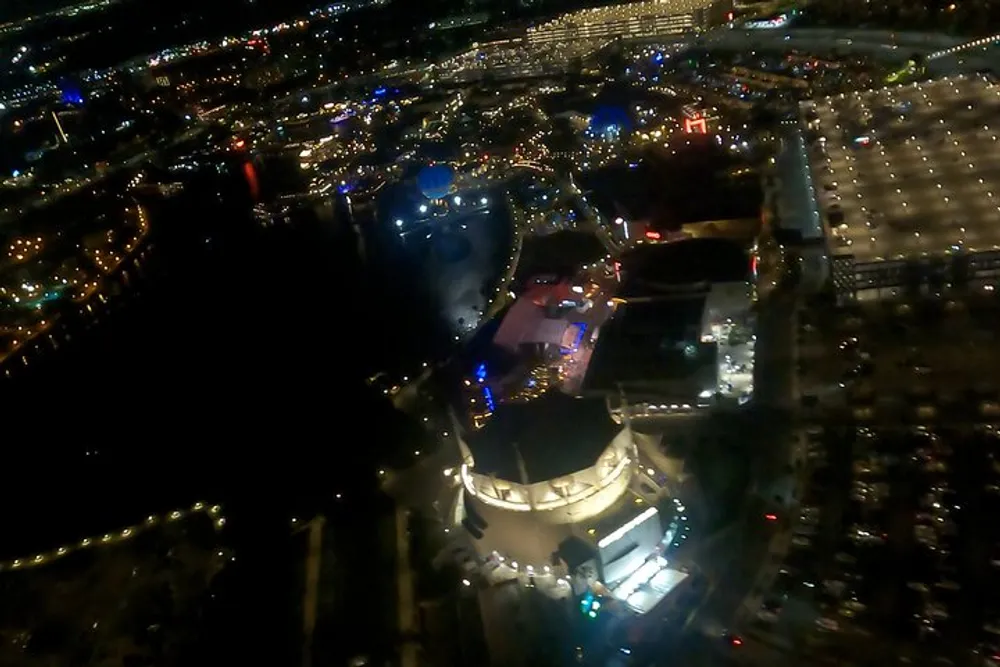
(232, 373)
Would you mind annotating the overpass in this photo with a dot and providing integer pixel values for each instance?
(884, 44)
(980, 43)
(971, 56)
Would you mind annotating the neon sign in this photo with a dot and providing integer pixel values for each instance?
(779, 21)
(696, 125)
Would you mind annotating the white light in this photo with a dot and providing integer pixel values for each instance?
(457, 200)
(399, 223)
(423, 208)
(484, 201)
(621, 531)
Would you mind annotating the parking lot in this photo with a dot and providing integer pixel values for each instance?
(892, 553)
(908, 171)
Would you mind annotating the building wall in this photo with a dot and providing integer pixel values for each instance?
(621, 557)
(570, 499)
(637, 19)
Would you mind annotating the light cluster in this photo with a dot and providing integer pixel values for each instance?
(636, 19)
(80, 276)
(24, 249)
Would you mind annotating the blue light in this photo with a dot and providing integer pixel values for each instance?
(481, 372)
(379, 92)
(582, 329)
(488, 395)
(72, 96)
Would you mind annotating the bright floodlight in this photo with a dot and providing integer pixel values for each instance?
(399, 223)
(423, 208)
(484, 201)
(457, 200)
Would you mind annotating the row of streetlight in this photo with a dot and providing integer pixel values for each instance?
(214, 512)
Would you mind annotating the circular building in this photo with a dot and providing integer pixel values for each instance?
(559, 459)
(553, 491)
(554, 494)
(436, 180)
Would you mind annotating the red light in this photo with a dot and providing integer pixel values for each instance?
(652, 234)
(729, 16)
(250, 174)
(240, 143)
(737, 641)
(771, 517)
(696, 125)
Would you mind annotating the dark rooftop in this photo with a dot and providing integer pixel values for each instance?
(555, 435)
(653, 345)
(691, 181)
(650, 269)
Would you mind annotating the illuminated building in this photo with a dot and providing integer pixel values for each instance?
(681, 338)
(698, 120)
(557, 487)
(554, 494)
(637, 19)
(557, 457)
(671, 326)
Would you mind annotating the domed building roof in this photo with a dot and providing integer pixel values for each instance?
(544, 439)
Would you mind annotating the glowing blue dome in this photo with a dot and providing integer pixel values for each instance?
(610, 118)
(435, 181)
(71, 92)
